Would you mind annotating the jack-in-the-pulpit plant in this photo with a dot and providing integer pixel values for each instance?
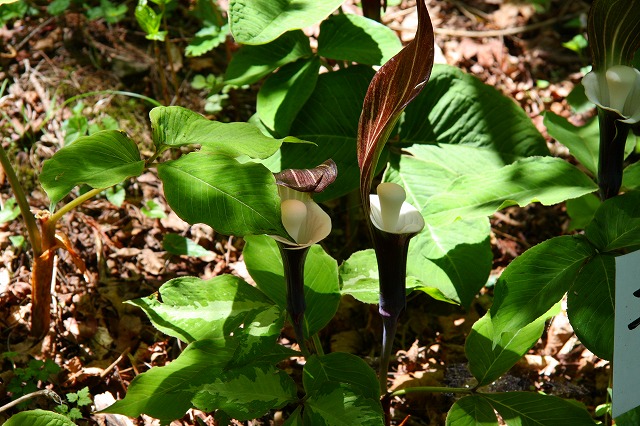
(307, 224)
(393, 87)
(613, 84)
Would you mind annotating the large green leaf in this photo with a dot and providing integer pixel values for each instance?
(247, 392)
(430, 169)
(535, 281)
(176, 126)
(261, 21)
(461, 249)
(631, 177)
(488, 362)
(321, 285)
(354, 38)
(471, 410)
(251, 63)
(330, 119)
(337, 404)
(581, 210)
(359, 278)
(340, 367)
(166, 392)
(233, 198)
(591, 305)
(38, 418)
(457, 108)
(547, 180)
(193, 309)
(616, 224)
(285, 92)
(583, 142)
(101, 160)
(534, 409)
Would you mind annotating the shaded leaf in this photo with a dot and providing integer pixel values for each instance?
(583, 142)
(100, 161)
(247, 392)
(354, 38)
(193, 309)
(535, 281)
(283, 94)
(581, 210)
(471, 410)
(340, 367)
(38, 418)
(533, 409)
(251, 63)
(591, 305)
(616, 224)
(336, 404)
(177, 244)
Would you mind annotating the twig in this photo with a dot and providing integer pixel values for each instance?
(494, 33)
(114, 363)
(45, 392)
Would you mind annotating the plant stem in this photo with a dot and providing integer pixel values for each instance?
(317, 344)
(45, 392)
(613, 138)
(74, 203)
(423, 389)
(389, 327)
(29, 219)
(293, 260)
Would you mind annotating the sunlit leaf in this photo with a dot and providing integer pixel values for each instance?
(471, 410)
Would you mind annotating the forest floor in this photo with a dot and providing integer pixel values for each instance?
(101, 343)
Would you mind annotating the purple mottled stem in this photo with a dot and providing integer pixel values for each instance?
(613, 137)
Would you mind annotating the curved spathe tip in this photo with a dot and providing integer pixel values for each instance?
(303, 218)
(390, 213)
(615, 89)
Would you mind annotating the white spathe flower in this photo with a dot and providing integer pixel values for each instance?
(616, 89)
(303, 219)
(390, 213)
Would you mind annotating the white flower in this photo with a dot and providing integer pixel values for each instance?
(303, 219)
(617, 89)
(390, 213)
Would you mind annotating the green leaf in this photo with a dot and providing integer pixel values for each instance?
(38, 418)
(333, 129)
(340, 367)
(295, 419)
(174, 127)
(251, 63)
(354, 38)
(359, 278)
(261, 21)
(177, 244)
(9, 211)
(74, 127)
(533, 409)
(166, 392)
(193, 309)
(284, 93)
(546, 180)
(116, 195)
(591, 305)
(207, 39)
(247, 392)
(581, 210)
(471, 410)
(336, 404)
(100, 161)
(535, 281)
(583, 142)
(616, 224)
(57, 7)
(430, 169)
(457, 108)
(488, 362)
(630, 418)
(321, 286)
(149, 21)
(631, 177)
(462, 250)
(232, 198)
(153, 210)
